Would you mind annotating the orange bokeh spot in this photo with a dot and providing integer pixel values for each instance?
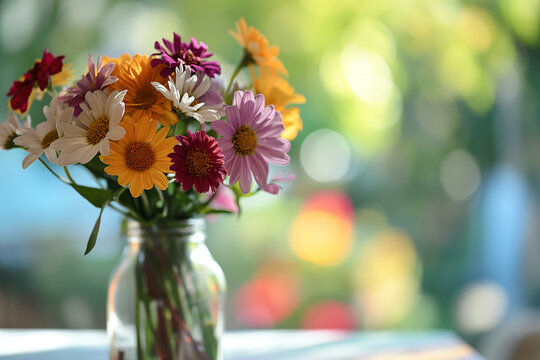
(322, 232)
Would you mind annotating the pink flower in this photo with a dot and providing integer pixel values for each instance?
(97, 78)
(224, 200)
(250, 140)
(198, 162)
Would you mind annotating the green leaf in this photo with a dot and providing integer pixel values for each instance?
(96, 197)
(216, 211)
(93, 236)
(97, 168)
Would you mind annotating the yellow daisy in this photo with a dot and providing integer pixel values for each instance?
(140, 157)
(143, 101)
(279, 93)
(256, 45)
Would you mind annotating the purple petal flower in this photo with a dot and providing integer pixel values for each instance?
(250, 139)
(193, 54)
(97, 78)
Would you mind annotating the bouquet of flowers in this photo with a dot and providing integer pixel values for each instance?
(161, 134)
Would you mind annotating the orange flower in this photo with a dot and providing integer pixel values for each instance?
(143, 101)
(256, 45)
(140, 157)
(279, 93)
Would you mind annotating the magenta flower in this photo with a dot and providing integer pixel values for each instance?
(192, 54)
(97, 78)
(250, 140)
(198, 161)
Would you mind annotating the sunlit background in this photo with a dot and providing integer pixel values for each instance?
(416, 197)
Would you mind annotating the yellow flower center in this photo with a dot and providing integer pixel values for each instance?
(197, 163)
(189, 57)
(145, 96)
(140, 156)
(244, 140)
(49, 138)
(97, 130)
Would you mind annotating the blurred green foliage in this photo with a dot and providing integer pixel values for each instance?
(431, 97)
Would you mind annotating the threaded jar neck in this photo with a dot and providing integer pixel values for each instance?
(187, 230)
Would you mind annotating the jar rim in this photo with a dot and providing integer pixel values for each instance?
(182, 228)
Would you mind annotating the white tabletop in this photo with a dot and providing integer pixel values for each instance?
(252, 345)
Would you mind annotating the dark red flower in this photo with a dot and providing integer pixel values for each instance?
(43, 69)
(193, 54)
(20, 90)
(198, 161)
(47, 66)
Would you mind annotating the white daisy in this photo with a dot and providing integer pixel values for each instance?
(39, 140)
(186, 92)
(8, 131)
(94, 128)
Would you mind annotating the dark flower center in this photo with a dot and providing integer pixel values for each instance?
(140, 156)
(97, 130)
(189, 57)
(9, 144)
(244, 140)
(197, 163)
(49, 138)
(145, 96)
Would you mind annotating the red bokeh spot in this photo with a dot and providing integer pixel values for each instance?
(266, 300)
(329, 315)
(334, 202)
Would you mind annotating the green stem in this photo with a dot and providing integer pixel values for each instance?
(207, 202)
(204, 317)
(165, 204)
(247, 59)
(138, 298)
(69, 175)
(172, 128)
(55, 174)
(117, 209)
(146, 205)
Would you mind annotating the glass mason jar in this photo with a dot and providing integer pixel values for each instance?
(166, 295)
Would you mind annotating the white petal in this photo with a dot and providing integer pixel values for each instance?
(105, 147)
(30, 158)
(116, 133)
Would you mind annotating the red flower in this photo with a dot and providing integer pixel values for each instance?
(198, 162)
(49, 65)
(43, 69)
(20, 90)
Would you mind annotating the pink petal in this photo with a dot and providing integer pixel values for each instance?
(223, 128)
(245, 175)
(259, 167)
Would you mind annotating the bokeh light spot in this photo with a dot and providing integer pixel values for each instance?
(386, 269)
(367, 74)
(325, 155)
(266, 300)
(329, 315)
(322, 232)
(476, 27)
(480, 307)
(460, 175)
